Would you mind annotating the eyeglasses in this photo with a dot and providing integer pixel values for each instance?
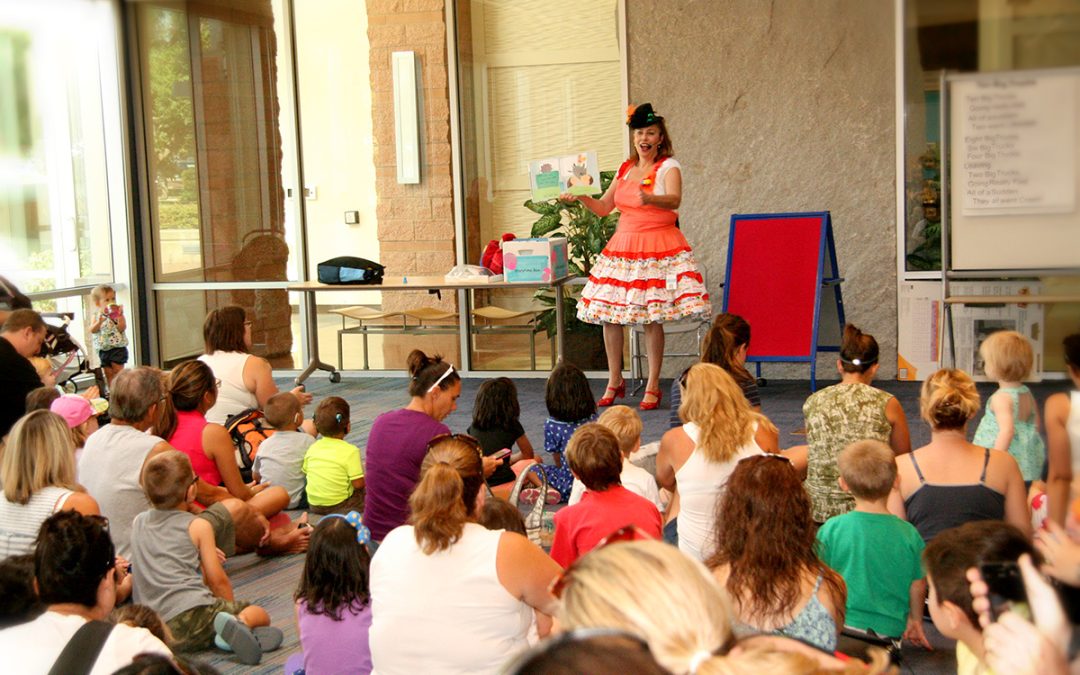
(624, 533)
(442, 377)
(194, 479)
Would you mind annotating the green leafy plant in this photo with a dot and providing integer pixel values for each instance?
(586, 235)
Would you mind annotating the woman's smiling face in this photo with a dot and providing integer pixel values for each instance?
(647, 139)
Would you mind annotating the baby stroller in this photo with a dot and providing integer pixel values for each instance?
(70, 362)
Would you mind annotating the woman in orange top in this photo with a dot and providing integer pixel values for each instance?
(646, 273)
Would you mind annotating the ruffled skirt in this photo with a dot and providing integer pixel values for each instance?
(644, 277)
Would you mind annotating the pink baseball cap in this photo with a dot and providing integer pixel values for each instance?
(75, 409)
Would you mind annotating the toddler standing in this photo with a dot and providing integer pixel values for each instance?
(1011, 421)
(280, 460)
(335, 475)
(107, 329)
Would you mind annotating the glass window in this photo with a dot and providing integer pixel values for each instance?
(966, 36)
(55, 229)
(520, 103)
(213, 148)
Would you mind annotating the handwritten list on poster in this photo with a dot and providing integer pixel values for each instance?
(1017, 146)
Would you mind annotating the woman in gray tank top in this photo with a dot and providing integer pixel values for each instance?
(951, 481)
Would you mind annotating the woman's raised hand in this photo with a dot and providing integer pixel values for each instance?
(1062, 554)
(568, 198)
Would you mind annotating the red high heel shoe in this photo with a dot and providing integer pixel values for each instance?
(652, 405)
(616, 392)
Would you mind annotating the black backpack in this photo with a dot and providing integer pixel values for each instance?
(347, 269)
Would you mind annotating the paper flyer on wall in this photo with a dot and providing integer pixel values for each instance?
(973, 323)
(923, 345)
(578, 174)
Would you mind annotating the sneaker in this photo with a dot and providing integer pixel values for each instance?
(238, 637)
(529, 496)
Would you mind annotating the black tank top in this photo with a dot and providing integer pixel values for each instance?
(933, 508)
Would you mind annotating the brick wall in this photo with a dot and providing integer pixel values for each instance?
(416, 222)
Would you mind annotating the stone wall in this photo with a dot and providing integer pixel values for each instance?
(780, 107)
(416, 222)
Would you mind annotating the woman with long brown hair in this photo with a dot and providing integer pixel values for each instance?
(469, 593)
(191, 390)
(725, 345)
(719, 430)
(765, 555)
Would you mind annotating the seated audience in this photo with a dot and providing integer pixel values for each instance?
(19, 601)
(335, 474)
(766, 559)
(495, 424)
(141, 616)
(1062, 416)
(625, 423)
(178, 573)
(81, 417)
(720, 429)
(950, 481)
(594, 457)
(398, 441)
(21, 336)
(468, 591)
(570, 404)
(498, 514)
(41, 398)
(280, 460)
(597, 651)
(725, 345)
(192, 391)
(849, 411)
(947, 560)
(247, 381)
(665, 598)
(878, 555)
(111, 466)
(76, 575)
(37, 469)
(333, 603)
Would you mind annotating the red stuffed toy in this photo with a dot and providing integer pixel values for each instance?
(492, 257)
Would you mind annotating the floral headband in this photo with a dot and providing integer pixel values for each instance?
(363, 534)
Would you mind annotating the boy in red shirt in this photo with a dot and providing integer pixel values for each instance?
(594, 458)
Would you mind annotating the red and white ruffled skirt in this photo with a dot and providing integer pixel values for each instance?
(644, 277)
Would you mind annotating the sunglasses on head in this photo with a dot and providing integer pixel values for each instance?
(624, 533)
(468, 440)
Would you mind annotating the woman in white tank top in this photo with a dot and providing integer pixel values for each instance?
(38, 474)
(697, 458)
(247, 381)
(1062, 416)
(448, 595)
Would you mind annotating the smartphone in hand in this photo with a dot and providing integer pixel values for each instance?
(1006, 589)
(499, 454)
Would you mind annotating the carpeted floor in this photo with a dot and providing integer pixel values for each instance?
(270, 582)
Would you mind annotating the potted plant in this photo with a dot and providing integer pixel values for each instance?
(586, 235)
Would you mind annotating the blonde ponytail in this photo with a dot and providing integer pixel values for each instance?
(445, 498)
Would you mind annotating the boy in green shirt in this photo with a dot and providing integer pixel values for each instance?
(877, 553)
(335, 475)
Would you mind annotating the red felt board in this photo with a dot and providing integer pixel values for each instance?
(773, 281)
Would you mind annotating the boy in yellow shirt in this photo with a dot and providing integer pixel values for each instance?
(335, 475)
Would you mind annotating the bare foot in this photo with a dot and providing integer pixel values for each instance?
(293, 538)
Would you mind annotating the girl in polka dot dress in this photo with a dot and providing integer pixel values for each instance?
(570, 404)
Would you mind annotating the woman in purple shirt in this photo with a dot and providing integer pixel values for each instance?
(399, 439)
